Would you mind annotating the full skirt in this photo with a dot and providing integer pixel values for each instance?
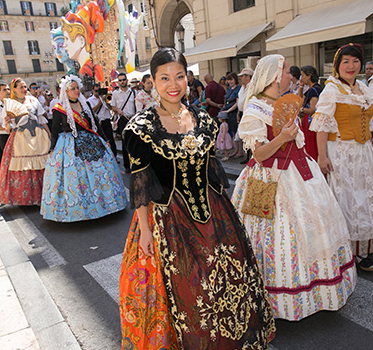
(201, 290)
(22, 167)
(82, 180)
(300, 276)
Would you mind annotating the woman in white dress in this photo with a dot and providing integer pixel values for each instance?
(304, 251)
(144, 99)
(342, 119)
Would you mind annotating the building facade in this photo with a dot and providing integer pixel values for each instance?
(232, 34)
(25, 48)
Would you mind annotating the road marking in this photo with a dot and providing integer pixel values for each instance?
(106, 273)
(37, 243)
(359, 306)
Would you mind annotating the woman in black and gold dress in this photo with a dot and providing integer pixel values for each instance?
(189, 279)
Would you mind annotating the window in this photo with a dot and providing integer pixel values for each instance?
(145, 23)
(120, 63)
(36, 65)
(143, 7)
(130, 8)
(239, 5)
(59, 65)
(50, 9)
(33, 47)
(8, 47)
(3, 10)
(53, 25)
(148, 45)
(11, 66)
(4, 26)
(29, 26)
(26, 8)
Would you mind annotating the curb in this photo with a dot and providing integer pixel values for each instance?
(50, 328)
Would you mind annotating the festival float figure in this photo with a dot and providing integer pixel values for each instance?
(79, 33)
(58, 42)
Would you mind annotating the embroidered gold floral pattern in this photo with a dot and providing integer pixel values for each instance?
(134, 161)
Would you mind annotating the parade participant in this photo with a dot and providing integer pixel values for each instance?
(187, 267)
(342, 119)
(102, 110)
(224, 140)
(303, 248)
(144, 98)
(4, 134)
(82, 180)
(123, 103)
(310, 78)
(25, 153)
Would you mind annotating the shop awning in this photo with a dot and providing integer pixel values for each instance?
(323, 25)
(225, 45)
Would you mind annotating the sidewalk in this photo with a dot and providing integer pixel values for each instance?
(29, 318)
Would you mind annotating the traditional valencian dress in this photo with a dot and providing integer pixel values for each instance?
(304, 251)
(202, 289)
(82, 179)
(347, 118)
(24, 157)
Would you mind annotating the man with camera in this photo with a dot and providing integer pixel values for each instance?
(123, 103)
(102, 109)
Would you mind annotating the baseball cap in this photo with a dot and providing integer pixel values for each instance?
(246, 71)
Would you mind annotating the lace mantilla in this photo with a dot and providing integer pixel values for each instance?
(174, 146)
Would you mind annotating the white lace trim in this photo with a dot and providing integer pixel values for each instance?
(323, 122)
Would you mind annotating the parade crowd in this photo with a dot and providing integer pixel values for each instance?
(201, 270)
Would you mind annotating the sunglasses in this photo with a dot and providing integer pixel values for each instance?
(95, 90)
(35, 88)
(122, 79)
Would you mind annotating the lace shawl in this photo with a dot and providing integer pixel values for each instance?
(252, 127)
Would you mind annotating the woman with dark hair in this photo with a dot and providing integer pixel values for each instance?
(342, 121)
(295, 81)
(26, 151)
(144, 99)
(230, 105)
(188, 279)
(310, 78)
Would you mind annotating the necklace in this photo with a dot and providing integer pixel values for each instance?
(73, 101)
(262, 94)
(176, 116)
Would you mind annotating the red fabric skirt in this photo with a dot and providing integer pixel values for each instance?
(201, 290)
(310, 139)
(19, 187)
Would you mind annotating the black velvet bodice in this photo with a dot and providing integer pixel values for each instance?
(162, 163)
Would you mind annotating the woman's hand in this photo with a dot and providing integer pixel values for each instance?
(146, 241)
(7, 119)
(325, 165)
(289, 131)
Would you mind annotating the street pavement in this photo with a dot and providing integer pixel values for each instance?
(59, 288)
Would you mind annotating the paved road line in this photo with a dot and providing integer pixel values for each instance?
(36, 239)
(359, 306)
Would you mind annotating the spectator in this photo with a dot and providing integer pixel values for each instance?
(195, 89)
(223, 83)
(214, 95)
(295, 79)
(144, 99)
(4, 134)
(368, 80)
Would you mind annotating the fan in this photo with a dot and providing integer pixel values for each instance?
(286, 107)
(14, 109)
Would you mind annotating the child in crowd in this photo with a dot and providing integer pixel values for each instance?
(224, 140)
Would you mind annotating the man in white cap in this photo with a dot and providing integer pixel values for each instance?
(245, 77)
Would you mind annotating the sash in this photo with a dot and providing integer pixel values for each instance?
(78, 118)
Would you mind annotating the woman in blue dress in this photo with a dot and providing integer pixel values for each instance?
(82, 179)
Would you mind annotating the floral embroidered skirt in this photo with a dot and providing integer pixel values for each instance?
(300, 281)
(22, 167)
(82, 180)
(201, 290)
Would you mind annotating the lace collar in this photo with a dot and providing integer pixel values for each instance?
(174, 145)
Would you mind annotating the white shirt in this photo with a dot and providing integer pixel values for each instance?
(120, 97)
(242, 97)
(2, 121)
(104, 112)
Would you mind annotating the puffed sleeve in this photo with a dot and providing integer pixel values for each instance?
(252, 129)
(144, 183)
(323, 119)
(216, 174)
